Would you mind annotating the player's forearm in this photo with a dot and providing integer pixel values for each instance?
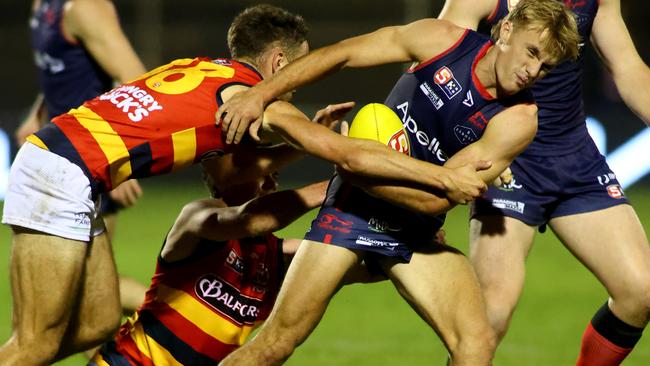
(277, 210)
(374, 160)
(414, 198)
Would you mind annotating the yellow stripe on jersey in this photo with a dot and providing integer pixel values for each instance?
(204, 318)
(152, 349)
(184, 143)
(109, 141)
(37, 141)
(99, 360)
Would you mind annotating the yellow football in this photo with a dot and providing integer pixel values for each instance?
(376, 121)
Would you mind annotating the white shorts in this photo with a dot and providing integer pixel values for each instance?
(48, 193)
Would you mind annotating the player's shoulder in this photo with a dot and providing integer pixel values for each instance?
(425, 46)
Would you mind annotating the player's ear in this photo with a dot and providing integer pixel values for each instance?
(279, 60)
(505, 32)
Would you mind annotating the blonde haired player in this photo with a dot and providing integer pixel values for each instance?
(562, 181)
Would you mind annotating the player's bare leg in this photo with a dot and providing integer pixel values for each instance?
(131, 291)
(46, 274)
(312, 279)
(612, 244)
(442, 288)
(97, 314)
(499, 246)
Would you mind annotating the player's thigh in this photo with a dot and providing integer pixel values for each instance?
(442, 288)
(313, 277)
(612, 243)
(99, 295)
(499, 246)
(46, 274)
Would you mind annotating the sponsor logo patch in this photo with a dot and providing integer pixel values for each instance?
(227, 300)
(433, 97)
(410, 124)
(465, 135)
(615, 191)
(334, 223)
(363, 240)
(469, 99)
(508, 205)
(606, 178)
(446, 81)
(381, 226)
(235, 262)
(400, 142)
(222, 61)
(135, 102)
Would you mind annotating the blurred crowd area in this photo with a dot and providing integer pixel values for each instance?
(163, 30)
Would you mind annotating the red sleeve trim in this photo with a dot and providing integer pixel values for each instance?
(494, 12)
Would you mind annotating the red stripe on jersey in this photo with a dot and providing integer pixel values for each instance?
(191, 334)
(94, 157)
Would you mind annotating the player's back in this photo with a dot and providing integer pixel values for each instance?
(561, 116)
(67, 73)
(158, 123)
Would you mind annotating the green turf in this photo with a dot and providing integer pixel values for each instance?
(371, 324)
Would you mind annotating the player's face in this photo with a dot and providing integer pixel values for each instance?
(302, 50)
(522, 59)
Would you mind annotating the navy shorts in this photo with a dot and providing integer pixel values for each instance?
(352, 219)
(544, 187)
(107, 205)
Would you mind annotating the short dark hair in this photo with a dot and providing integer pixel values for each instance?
(259, 26)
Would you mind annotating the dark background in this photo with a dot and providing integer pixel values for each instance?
(162, 30)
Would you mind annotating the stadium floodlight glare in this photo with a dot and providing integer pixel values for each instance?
(629, 161)
(5, 154)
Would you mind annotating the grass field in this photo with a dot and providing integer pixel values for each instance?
(371, 324)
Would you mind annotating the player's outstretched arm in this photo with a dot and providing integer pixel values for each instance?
(612, 40)
(386, 45)
(365, 157)
(210, 219)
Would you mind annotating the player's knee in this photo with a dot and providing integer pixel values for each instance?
(35, 349)
(477, 345)
(100, 327)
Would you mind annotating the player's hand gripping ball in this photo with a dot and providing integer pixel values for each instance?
(376, 121)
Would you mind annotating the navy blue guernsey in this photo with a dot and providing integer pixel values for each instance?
(443, 108)
(68, 75)
(443, 105)
(561, 117)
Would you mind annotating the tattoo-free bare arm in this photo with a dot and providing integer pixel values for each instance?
(467, 13)
(356, 156)
(95, 23)
(631, 74)
(210, 219)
